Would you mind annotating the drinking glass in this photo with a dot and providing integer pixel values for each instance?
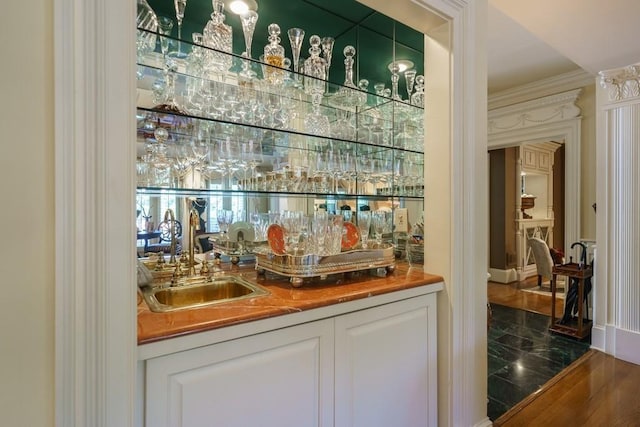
(165, 25)
(381, 224)
(410, 79)
(364, 223)
(248, 20)
(327, 53)
(296, 37)
(225, 219)
(180, 5)
(293, 224)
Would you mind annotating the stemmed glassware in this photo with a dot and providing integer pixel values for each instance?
(225, 219)
(327, 52)
(381, 224)
(364, 223)
(296, 37)
(410, 79)
(180, 5)
(165, 25)
(248, 20)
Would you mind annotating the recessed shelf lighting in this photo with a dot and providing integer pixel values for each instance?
(240, 7)
(403, 65)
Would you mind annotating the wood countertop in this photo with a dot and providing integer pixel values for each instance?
(282, 299)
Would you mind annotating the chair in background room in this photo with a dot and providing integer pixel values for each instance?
(542, 257)
(164, 241)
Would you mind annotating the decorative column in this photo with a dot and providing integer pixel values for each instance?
(617, 299)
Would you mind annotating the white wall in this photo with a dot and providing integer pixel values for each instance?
(27, 214)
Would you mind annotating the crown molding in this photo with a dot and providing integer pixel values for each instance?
(549, 109)
(560, 83)
(621, 83)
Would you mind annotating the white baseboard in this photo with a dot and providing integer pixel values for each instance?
(598, 338)
(484, 423)
(627, 346)
(619, 343)
(503, 276)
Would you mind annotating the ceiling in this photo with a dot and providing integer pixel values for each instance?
(529, 40)
(516, 57)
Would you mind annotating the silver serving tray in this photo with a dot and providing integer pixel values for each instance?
(299, 267)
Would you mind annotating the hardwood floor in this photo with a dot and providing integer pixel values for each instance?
(511, 295)
(596, 390)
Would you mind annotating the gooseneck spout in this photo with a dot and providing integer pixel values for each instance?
(170, 218)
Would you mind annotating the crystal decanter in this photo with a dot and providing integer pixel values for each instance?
(315, 71)
(348, 95)
(274, 56)
(219, 36)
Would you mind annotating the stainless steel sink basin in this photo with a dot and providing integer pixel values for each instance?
(199, 292)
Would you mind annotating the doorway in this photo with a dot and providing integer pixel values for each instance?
(526, 199)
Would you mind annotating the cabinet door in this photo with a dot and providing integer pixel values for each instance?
(530, 159)
(386, 372)
(279, 378)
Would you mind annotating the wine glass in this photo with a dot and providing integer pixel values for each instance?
(180, 5)
(248, 20)
(364, 223)
(165, 25)
(296, 36)
(381, 223)
(225, 219)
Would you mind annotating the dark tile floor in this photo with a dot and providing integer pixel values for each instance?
(523, 355)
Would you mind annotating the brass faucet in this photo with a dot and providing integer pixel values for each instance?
(194, 224)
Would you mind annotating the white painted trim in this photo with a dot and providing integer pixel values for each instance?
(484, 423)
(627, 345)
(95, 259)
(556, 84)
(95, 266)
(503, 276)
(598, 335)
(567, 130)
(601, 294)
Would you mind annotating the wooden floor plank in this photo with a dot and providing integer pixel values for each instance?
(597, 390)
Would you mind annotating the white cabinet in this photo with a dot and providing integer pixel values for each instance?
(386, 365)
(372, 367)
(278, 378)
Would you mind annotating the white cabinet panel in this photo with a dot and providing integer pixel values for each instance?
(282, 378)
(386, 365)
(372, 367)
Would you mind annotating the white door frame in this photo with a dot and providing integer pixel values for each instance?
(95, 365)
